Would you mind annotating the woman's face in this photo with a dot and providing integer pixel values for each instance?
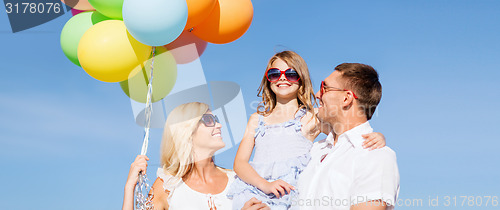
(283, 88)
(208, 139)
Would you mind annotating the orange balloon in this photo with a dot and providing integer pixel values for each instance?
(229, 20)
(198, 11)
(78, 4)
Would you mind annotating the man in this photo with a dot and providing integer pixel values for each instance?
(341, 174)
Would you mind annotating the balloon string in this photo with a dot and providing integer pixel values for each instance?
(148, 109)
(143, 202)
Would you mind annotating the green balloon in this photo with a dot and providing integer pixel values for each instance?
(110, 8)
(164, 77)
(73, 31)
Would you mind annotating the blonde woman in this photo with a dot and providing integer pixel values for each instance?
(189, 179)
(281, 132)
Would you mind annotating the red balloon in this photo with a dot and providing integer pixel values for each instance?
(183, 49)
(76, 12)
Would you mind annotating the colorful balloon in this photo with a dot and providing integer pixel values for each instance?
(83, 5)
(181, 49)
(73, 31)
(164, 77)
(110, 8)
(198, 11)
(155, 22)
(108, 53)
(229, 20)
(76, 12)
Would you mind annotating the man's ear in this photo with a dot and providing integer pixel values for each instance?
(348, 99)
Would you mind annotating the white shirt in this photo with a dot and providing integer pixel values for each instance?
(348, 174)
(182, 197)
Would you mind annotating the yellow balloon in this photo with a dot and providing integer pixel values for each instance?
(108, 53)
(164, 77)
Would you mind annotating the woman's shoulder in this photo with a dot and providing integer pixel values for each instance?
(169, 182)
(160, 195)
(227, 171)
(163, 175)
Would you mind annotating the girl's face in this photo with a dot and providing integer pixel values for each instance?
(208, 139)
(283, 88)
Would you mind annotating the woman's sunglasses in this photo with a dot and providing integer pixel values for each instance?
(274, 74)
(209, 120)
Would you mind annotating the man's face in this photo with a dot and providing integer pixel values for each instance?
(331, 102)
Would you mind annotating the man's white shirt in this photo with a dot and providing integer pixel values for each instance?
(348, 174)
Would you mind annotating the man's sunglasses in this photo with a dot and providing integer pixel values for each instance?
(324, 87)
(209, 120)
(274, 74)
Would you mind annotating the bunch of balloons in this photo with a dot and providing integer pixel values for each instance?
(112, 39)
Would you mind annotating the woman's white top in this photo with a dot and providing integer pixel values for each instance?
(183, 197)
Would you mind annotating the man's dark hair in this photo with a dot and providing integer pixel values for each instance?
(363, 81)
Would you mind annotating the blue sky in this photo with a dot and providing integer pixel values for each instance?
(67, 140)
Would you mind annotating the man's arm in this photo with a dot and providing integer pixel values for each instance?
(376, 181)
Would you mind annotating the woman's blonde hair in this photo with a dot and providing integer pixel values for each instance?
(305, 94)
(177, 154)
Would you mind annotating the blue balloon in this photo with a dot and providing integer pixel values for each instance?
(155, 22)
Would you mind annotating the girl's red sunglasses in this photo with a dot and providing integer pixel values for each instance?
(274, 74)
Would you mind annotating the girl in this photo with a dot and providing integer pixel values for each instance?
(282, 131)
